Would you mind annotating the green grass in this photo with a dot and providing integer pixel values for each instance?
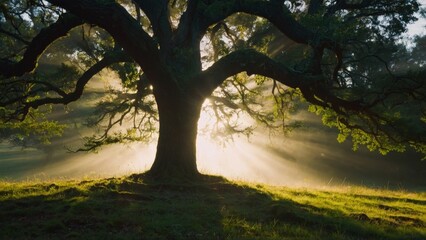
(137, 208)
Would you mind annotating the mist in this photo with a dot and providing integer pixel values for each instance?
(308, 157)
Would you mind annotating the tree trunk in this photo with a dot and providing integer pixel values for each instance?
(176, 148)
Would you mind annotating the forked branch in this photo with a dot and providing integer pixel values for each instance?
(37, 46)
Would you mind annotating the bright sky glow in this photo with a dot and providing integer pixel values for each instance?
(419, 27)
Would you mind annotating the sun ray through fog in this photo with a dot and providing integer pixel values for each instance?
(309, 157)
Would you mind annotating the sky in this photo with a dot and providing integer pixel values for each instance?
(419, 27)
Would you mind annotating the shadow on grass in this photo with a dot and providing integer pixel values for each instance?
(137, 208)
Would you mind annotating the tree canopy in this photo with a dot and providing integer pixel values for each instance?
(240, 58)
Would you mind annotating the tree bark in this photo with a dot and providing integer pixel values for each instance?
(176, 148)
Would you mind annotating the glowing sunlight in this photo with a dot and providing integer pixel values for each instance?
(305, 158)
(248, 159)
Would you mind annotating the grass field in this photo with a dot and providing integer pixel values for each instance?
(134, 207)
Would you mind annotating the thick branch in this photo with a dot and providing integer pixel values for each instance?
(275, 11)
(252, 62)
(66, 98)
(37, 46)
(127, 31)
(157, 12)
(188, 24)
(312, 86)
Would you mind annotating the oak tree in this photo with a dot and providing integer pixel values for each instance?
(252, 57)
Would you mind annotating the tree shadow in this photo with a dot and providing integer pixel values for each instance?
(141, 208)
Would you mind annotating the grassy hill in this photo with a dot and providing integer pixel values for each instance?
(135, 207)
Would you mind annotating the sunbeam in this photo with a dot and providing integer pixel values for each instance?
(309, 157)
